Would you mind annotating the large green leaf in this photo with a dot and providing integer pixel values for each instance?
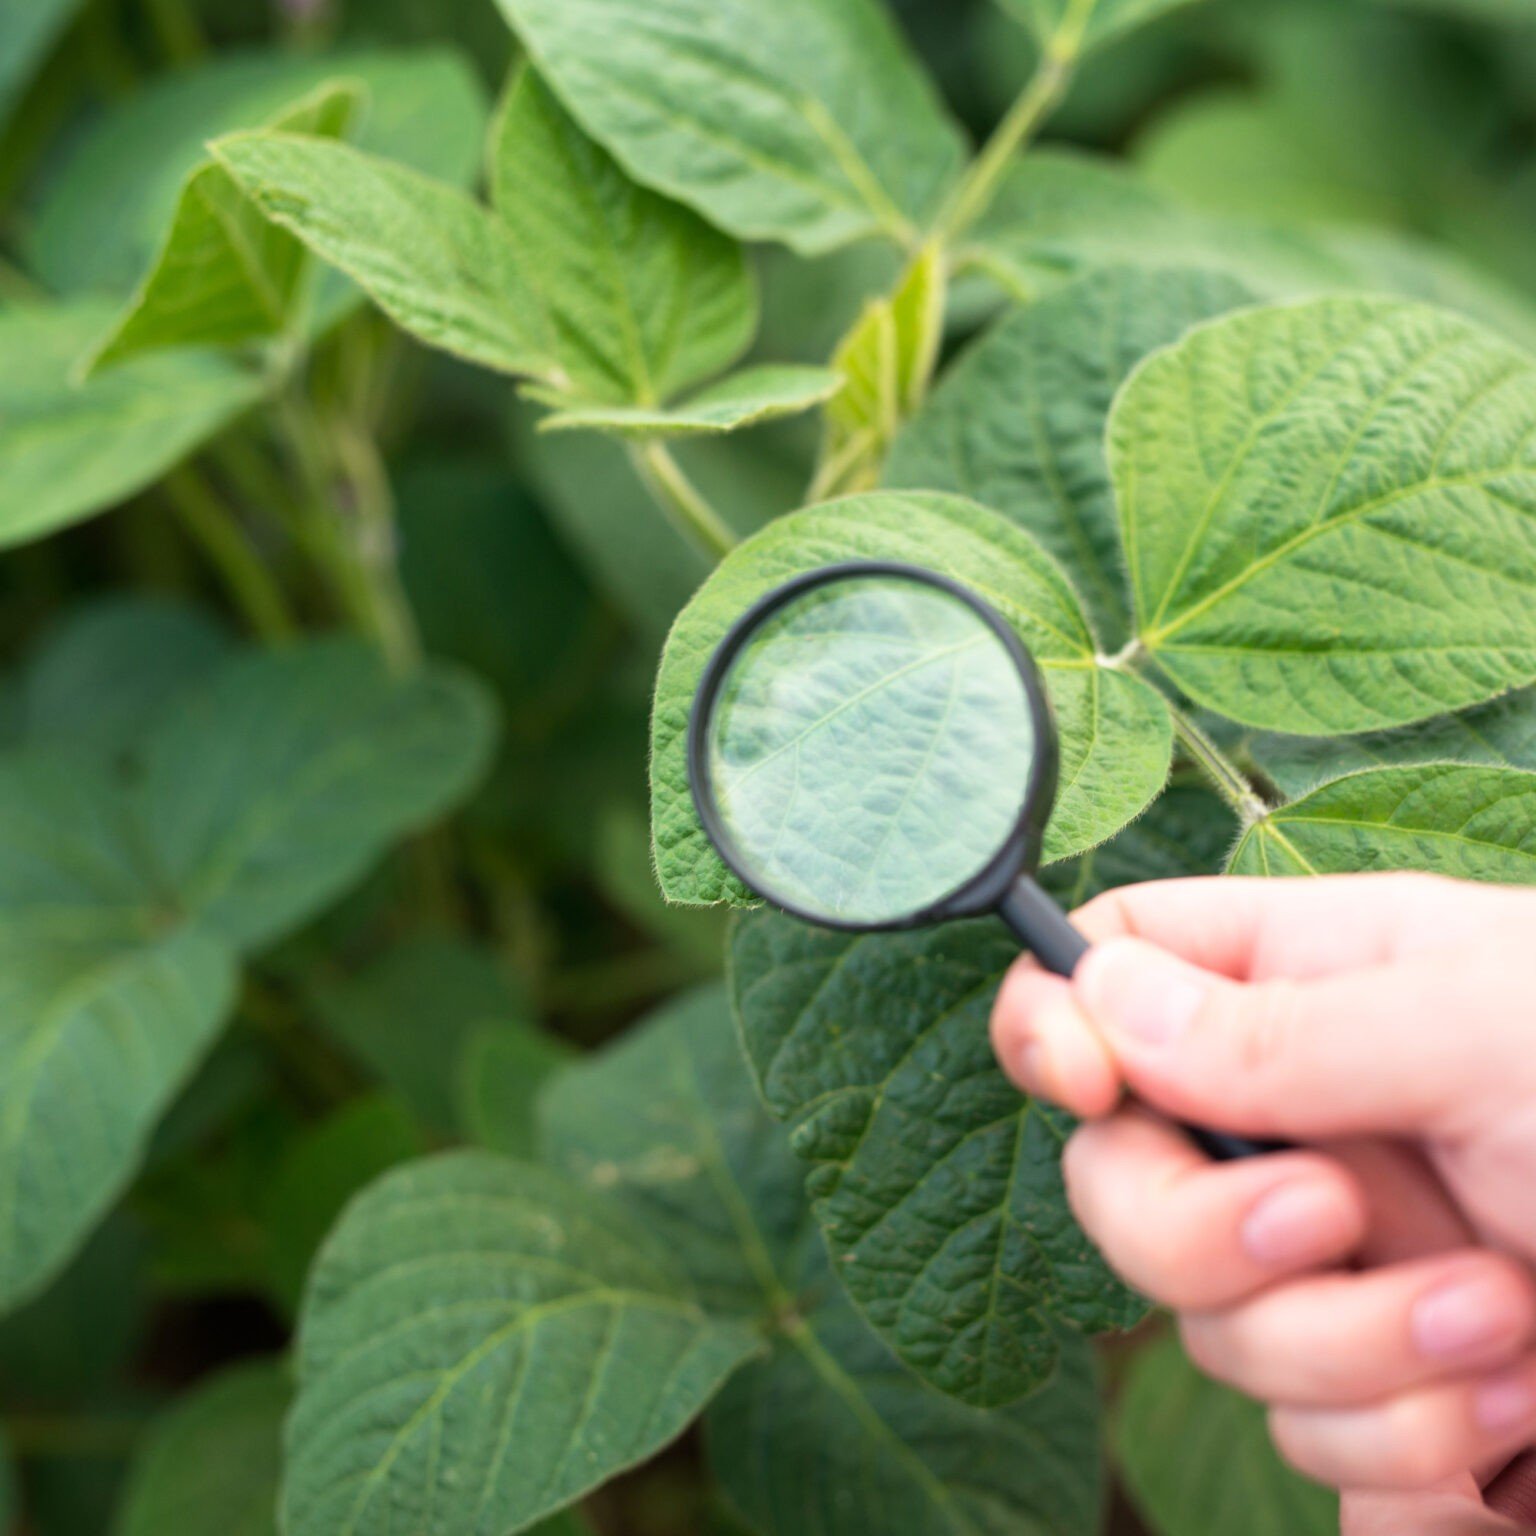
(1198, 1461)
(936, 1183)
(1328, 512)
(278, 783)
(1070, 27)
(106, 206)
(805, 121)
(225, 275)
(1501, 733)
(68, 450)
(667, 1119)
(831, 1433)
(642, 297)
(410, 1015)
(210, 1465)
(503, 1070)
(669, 1122)
(483, 1342)
(109, 1004)
(1115, 732)
(1018, 423)
(1473, 823)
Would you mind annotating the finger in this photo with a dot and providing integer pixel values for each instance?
(1340, 1339)
(1416, 1439)
(1048, 1048)
(1249, 929)
(1455, 1510)
(1409, 1048)
(1412, 1215)
(1197, 1235)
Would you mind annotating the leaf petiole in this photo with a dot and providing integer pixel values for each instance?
(1224, 774)
(683, 502)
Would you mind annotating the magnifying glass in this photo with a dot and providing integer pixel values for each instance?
(871, 749)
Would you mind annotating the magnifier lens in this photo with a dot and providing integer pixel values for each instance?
(869, 749)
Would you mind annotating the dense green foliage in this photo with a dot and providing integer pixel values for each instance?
(397, 404)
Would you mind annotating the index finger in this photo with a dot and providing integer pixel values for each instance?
(1252, 929)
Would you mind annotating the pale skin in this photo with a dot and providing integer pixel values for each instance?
(1375, 1287)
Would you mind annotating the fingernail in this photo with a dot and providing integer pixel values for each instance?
(1134, 989)
(1298, 1223)
(1467, 1318)
(1506, 1402)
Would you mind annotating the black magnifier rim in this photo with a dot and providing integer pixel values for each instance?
(1018, 853)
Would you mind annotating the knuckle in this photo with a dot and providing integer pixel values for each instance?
(1264, 1039)
(1414, 1450)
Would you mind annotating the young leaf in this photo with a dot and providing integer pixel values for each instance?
(1198, 1461)
(276, 785)
(1115, 732)
(744, 399)
(886, 362)
(377, 1014)
(1018, 422)
(936, 1184)
(502, 1072)
(105, 208)
(1072, 27)
(666, 1119)
(109, 1001)
(642, 297)
(1501, 733)
(831, 1411)
(1455, 819)
(102, 674)
(69, 450)
(805, 121)
(1328, 512)
(224, 274)
(209, 1466)
(482, 1343)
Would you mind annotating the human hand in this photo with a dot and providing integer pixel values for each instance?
(1388, 1022)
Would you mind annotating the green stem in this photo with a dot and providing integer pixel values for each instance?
(217, 531)
(681, 500)
(1228, 779)
(1035, 103)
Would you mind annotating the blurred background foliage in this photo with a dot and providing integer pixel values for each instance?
(530, 927)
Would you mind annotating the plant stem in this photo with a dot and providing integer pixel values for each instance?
(681, 500)
(1228, 779)
(217, 531)
(1038, 99)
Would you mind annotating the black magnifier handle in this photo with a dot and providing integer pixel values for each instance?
(1045, 930)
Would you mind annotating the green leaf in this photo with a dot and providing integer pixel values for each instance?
(886, 361)
(1501, 733)
(831, 1411)
(936, 1183)
(319, 1172)
(1472, 823)
(666, 1120)
(1198, 1461)
(1115, 732)
(1327, 513)
(1072, 27)
(642, 297)
(27, 32)
(806, 121)
(70, 450)
(101, 675)
(110, 1004)
(224, 274)
(745, 399)
(482, 1343)
(502, 1072)
(410, 1014)
(108, 202)
(210, 1465)
(1018, 422)
(279, 783)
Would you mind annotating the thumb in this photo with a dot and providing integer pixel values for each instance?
(1404, 1048)
(1450, 1512)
